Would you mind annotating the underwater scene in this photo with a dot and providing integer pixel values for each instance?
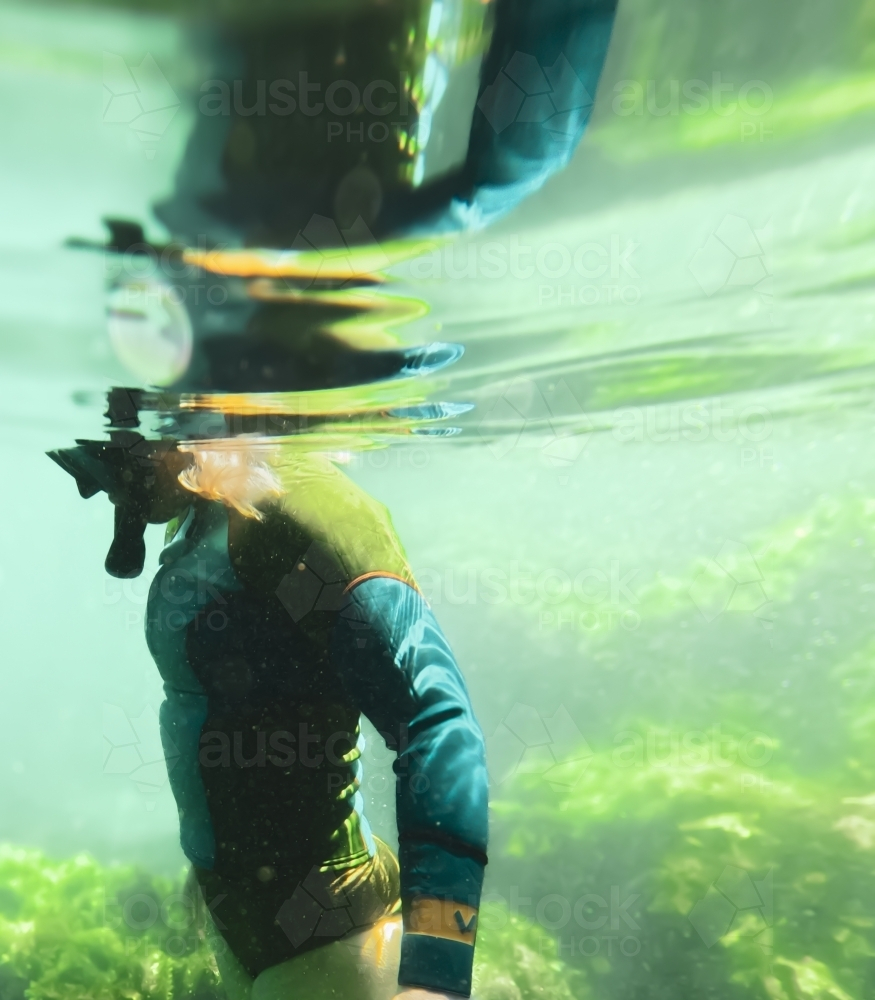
(438, 537)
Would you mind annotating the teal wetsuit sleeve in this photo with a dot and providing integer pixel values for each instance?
(394, 660)
(537, 92)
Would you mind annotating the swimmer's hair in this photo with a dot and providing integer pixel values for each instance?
(238, 476)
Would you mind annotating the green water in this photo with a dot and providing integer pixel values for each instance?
(651, 545)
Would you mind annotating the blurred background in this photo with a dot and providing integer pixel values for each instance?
(649, 537)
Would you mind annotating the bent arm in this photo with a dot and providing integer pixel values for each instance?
(536, 96)
(394, 660)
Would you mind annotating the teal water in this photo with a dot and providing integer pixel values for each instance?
(651, 543)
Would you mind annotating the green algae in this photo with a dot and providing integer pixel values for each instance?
(74, 929)
(755, 877)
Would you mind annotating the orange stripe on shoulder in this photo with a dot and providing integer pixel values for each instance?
(386, 575)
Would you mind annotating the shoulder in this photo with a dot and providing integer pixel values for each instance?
(323, 518)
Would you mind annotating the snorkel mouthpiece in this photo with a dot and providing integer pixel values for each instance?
(127, 554)
(95, 467)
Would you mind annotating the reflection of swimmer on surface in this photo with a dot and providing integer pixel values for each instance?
(445, 117)
(283, 608)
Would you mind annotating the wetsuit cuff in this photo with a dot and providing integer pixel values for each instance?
(436, 963)
(428, 869)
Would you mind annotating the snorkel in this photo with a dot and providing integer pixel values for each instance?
(125, 468)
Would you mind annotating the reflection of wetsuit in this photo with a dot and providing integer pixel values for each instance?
(274, 172)
(271, 639)
(257, 171)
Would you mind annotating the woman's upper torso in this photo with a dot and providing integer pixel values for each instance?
(262, 739)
